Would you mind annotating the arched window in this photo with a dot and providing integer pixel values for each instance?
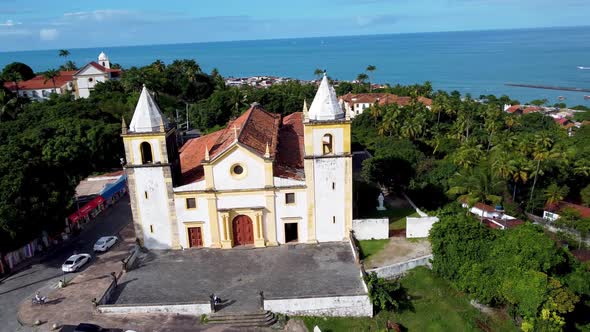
(327, 144)
(146, 153)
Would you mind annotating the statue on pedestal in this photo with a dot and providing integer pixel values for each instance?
(381, 198)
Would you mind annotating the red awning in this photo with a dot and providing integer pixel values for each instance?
(86, 209)
(74, 217)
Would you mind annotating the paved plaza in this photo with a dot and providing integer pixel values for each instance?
(238, 275)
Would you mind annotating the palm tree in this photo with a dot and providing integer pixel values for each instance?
(440, 104)
(69, 65)
(362, 77)
(159, 66)
(476, 185)
(318, 73)
(7, 104)
(554, 194)
(370, 69)
(64, 53)
(542, 150)
(50, 75)
(14, 77)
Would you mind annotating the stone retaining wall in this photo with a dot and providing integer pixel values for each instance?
(194, 309)
(106, 295)
(398, 269)
(332, 306)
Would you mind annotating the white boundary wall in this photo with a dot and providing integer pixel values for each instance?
(194, 309)
(368, 229)
(419, 227)
(398, 269)
(336, 306)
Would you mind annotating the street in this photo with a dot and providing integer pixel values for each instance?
(45, 275)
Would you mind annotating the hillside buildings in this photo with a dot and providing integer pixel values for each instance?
(80, 82)
(355, 104)
(262, 181)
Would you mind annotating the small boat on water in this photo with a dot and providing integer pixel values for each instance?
(561, 98)
(583, 68)
(587, 97)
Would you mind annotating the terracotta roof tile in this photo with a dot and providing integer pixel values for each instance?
(38, 82)
(382, 99)
(584, 211)
(191, 155)
(484, 207)
(291, 148)
(514, 109)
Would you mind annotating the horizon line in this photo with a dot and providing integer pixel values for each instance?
(298, 38)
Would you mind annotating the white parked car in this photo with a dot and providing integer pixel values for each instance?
(75, 262)
(104, 243)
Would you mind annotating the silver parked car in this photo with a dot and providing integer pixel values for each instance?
(75, 262)
(105, 243)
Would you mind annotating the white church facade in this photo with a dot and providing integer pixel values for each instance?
(264, 180)
(93, 73)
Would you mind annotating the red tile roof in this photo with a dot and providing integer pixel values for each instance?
(584, 211)
(255, 129)
(291, 148)
(514, 109)
(38, 82)
(382, 99)
(493, 223)
(484, 207)
(531, 109)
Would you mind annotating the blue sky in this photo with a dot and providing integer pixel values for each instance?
(42, 24)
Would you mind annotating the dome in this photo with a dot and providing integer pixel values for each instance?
(102, 57)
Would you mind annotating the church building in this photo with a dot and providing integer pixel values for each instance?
(93, 73)
(264, 180)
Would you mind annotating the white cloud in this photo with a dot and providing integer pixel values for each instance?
(98, 15)
(48, 34)
(9, 23)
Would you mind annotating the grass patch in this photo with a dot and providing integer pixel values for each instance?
(371, 247)
(435, 306)
(396, 216)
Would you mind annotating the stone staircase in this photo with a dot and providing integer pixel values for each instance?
(259, 318)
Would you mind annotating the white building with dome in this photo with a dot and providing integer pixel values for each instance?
(88, 76)
(264, 180)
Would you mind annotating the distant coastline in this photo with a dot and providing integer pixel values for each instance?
(474, 62)
(548, 87)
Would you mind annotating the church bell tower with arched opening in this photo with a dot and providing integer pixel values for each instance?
(153, 168)
(328, 166)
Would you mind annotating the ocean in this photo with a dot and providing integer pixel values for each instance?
(475, 62)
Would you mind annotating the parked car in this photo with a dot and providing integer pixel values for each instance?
(75, 262)
(105, 243)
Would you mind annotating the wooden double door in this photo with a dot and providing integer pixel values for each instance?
(243, 230)
(195, 237)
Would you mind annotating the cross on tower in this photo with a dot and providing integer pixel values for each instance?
(235, 129)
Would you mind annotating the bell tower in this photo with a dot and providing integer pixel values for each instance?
(153, 168)
(328, 166)
(103, 60)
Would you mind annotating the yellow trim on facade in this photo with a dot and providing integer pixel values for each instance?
(236, 175)
(209, 181)
(213, 222)
(271, 229)
(309, 180)
(268, 173)
(348, 197)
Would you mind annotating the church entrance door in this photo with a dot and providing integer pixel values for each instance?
(195, 237)
(243, 230)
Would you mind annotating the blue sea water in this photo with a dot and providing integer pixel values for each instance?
(476, 62)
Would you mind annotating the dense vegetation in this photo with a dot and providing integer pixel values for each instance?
(542, 285)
